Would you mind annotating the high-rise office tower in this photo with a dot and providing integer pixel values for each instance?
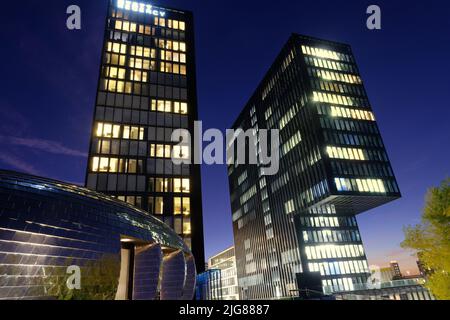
(146, 90)
(333, 166)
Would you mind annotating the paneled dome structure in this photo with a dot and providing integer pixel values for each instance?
(56, 236)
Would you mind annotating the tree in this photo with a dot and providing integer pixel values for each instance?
(431, 239)
(99, 280)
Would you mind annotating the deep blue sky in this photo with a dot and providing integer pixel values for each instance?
(49, 77)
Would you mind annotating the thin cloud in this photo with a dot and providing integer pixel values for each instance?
(19, 164)
(43, 145)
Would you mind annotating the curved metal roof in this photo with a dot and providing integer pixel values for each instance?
(132, 216)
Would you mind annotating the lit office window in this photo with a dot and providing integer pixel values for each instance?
(144, 64)
(289, 206)
(160, 151)
(292, 143)
(159, 205)
(142, 52)
(351, 113)
(186, 226)
(133, 133)
(182, 206)
(360, 185)
(181, 185)
(107, 130)
(324, 53)
(115, 73)
(137, 75)
(169, 106)
(115, 59)
(337, 99)
(346, 153)
(116, 47)
(335, 76)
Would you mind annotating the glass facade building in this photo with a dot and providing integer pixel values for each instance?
(48, 227)
(408, 289)
(333, 166)
(209, 286)
(146, 90)
(225, 261)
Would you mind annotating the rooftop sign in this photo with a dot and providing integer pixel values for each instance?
(139, 7)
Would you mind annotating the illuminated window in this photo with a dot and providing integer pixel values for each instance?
(162, 185)
(186, 186)
(160, 151)
(160, 21)
(136, 75)
(107, 130)
(145, 29)
(323, 53)
(172, 45)
(346, 153)
(180, 107)
(351, 113)
(142, 52)
(335, 76)
(116, 47)
(289, 206)
(169, 106)
(177, 206)
(186, 206)
(113, 165)
(159, 205)
(292, 142)
(177, 185)
(181, 185)
(186, 226)
(116, 73)
(133, 133)
(182, 206)
(132, 166)
(360, 185)
(116, 59)
(103, 165)
(145, 64)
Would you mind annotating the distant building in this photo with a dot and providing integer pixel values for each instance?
(209, 286)
(226, 262)
(396, 269)
(386, 274)
(408, 289)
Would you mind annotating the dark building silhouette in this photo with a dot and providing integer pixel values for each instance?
(333, 167)
(146, 90)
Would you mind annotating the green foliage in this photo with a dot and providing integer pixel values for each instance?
(431, 239)
(99, 280)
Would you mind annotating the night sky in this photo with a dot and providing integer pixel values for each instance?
(49, 78)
